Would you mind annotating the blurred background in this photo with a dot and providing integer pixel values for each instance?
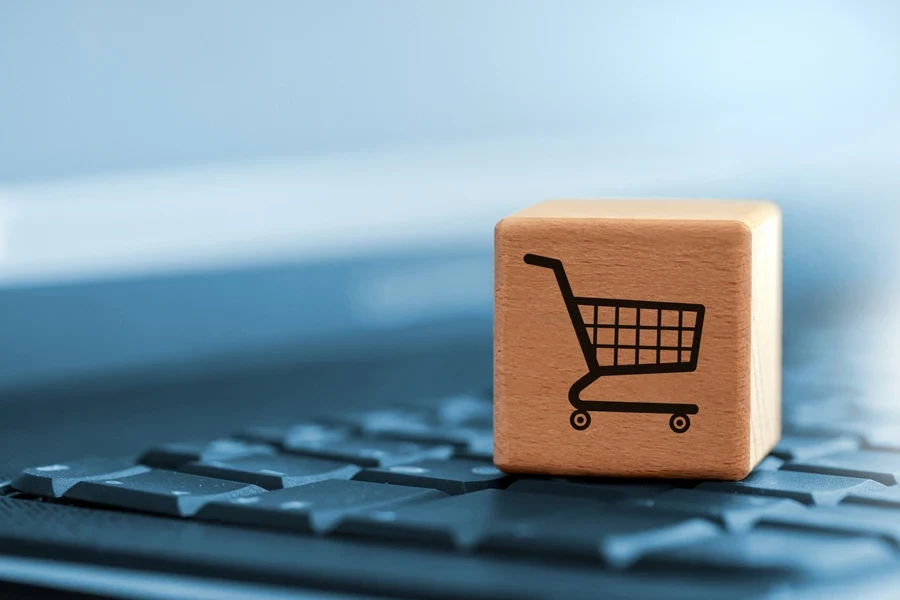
(186, 181)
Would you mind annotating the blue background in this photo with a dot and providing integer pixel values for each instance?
(99, 86)
(799, 100)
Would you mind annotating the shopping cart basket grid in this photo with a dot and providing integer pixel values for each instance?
(587, 334)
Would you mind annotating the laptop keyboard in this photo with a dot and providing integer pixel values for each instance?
(825, 504)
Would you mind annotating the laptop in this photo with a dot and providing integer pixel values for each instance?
(273, 380)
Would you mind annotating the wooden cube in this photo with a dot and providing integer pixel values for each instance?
(638, 338)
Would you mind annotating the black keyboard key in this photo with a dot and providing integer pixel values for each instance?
(273, 472)
(262, 434)
(454, 476)
(857, 427)
(798, 447)
(819, 413)
(284, 437)
(371, 452)
(310, 564)
(317, 507)
(886, 497)
(172, 456)
(734, 511)
(771, 550)
(480, 447)
(886, 438)
(809, 488)
(385, 419)
(597, 489)
(453, 420)
(159, 491)
(769, 463)
(466, 410)
(52, 481)
(845, 518)
(458, 521)
(883, 467)
(460, 437)
(617, 536)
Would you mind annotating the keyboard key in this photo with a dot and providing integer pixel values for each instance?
(385, 419)
(597, 489)
(454, 476)
(460, 437)
(845, 518)
(809, 488)
(769, 463)
(158, 491)
(172, 456)
(284, 437)
(480, 447)
(262, 434)
(617, 536)
(856, 427)
(886, 438)
(273, 472)
(770, 550)
(734, 511)
(466, 410)
(236, 556)
(52, 481)
(371, 452)
(883, 467)
(317, 507)
(459, 521)
(797, 447)
(885, 497)
(819, 412)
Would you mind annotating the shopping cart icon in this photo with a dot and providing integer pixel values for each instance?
(628, 353)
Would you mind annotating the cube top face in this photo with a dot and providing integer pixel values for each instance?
(638, 209)
(623, 338)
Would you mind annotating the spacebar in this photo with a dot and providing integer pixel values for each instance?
(143, 542)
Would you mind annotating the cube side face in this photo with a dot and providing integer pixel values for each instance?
(766, 335)
(545, 343)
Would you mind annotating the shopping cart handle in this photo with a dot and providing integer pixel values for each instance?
(543, 261)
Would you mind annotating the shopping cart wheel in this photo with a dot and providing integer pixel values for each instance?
(680, 423)
(580, 420)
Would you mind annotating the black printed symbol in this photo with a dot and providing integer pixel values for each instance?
(672, 328)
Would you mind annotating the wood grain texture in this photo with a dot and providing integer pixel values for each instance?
(723, 255)
(766, 334)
